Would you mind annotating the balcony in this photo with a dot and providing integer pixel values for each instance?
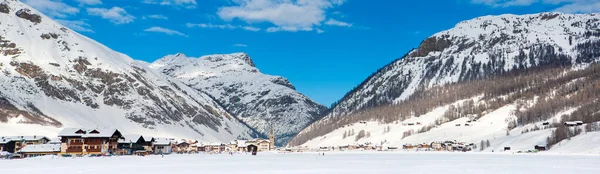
(93, 142)
(75, 143)
(74, 150)
(93, 150)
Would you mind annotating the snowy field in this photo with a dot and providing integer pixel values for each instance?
(347, 163)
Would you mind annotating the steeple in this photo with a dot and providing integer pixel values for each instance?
(272, 139)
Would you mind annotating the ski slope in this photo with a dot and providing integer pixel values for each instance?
(490, 127)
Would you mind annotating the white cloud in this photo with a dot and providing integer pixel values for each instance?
(580, 8)
(251, 28)
(320, 31)
(89, 2)
(334, 22)
(289, 29)
(165, 31)
(286, 15)
(80, 26)
(115, 15)
(157, 17)
(222, 26)
(177, 3)
(566, 6)
(53, 8)
(240, 45)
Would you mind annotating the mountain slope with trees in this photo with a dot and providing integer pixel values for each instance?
(506, 59)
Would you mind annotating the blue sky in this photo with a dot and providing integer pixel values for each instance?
(324, 47)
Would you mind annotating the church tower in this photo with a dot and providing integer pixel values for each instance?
(272, 139)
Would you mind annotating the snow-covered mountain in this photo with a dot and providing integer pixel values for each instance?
(479, 48)
(473, 51)
(52, 77)
(261, 101)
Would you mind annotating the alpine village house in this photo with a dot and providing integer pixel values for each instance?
(92, 141)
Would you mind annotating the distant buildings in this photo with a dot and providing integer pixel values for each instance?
(13, 144)
(36, 150)
(106, 141)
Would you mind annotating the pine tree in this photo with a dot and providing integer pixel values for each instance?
(487, 144)
(345, 135)
(482, 146)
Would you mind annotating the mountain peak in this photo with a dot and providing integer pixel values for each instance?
(228, 57)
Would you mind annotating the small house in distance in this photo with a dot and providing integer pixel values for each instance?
(131, 144)
(148, 141)
(182, 147)
(13, 144)
(40, 150)
(540, 147)
(570, 123)
(162, 146)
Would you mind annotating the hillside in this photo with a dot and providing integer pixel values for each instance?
(263, 102)
(53, 77)
(493, 68)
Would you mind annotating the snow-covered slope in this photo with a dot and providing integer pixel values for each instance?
(53, 77)
(480, 48)
(261, 101)
(542, 47)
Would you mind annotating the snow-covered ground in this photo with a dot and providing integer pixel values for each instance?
(347, 163)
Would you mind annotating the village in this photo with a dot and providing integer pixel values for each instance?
(446, 146)
(79, 142)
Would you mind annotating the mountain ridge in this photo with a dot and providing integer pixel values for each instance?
(261, 101)
(53, 77)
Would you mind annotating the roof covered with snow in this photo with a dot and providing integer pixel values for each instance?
(41, 148)
(6, 139)
(130, 138)
(148, 138)
(162, 141)
(87, 133)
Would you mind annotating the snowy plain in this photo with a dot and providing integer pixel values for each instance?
(311, 162)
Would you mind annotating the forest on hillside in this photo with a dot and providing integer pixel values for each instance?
(540, 94)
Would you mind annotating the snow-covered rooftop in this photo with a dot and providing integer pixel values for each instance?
(6, 139)
(130, 138)
(162, 141)
(87, 133)
(41, 148)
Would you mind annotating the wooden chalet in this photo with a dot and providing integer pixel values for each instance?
(182, 147)
(148, 143)
(133, 145)
(13, 144)
(214, 147)
(77, 141)
(408, 146)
